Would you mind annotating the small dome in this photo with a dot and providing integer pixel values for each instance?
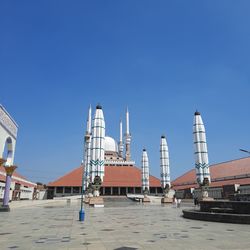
(110, 144)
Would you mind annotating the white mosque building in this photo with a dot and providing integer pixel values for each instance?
(121, 176)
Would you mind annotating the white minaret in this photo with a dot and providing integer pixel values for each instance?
(127, 138)
(164, 158)
(120, 141)
(145, 170)
(200, 150)
(87, 153)
(97, 144)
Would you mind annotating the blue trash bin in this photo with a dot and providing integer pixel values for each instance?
(81, 215)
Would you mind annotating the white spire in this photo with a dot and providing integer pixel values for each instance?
(120, 141)
(87, 153)
(127, 138)
(127, 122)
(89, 121)
(120, 130)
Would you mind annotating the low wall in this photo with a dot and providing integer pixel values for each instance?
(217, 217)
(238, 207)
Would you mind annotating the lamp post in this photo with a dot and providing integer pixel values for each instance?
(245, 151)
(9, 171)
(81, 212)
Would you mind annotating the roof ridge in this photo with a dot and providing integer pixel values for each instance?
(212, 165)
(65, 174)
(191, 170)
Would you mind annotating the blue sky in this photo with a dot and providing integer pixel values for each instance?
(162, 59)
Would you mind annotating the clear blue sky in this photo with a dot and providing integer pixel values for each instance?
(164, 59)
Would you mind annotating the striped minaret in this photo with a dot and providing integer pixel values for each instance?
(200, 149)
(87, 153)
(97, 144)
(145, 170)
(120, 141)
(127, 138)
(164, 158)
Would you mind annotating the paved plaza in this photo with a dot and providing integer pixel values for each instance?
(120, 225)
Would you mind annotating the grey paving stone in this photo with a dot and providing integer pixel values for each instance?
(56, 226)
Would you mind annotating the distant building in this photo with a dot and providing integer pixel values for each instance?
(121, 177)
(118, 180)
(226, 178)
(21, 188)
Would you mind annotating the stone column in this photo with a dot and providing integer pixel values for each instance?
(9, 171)
(6, 196)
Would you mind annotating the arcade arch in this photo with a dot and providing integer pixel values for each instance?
(8, 134)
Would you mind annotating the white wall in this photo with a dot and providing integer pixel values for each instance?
(2, 188)
(42, 195)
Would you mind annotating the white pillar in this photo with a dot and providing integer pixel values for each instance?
(97, 144)
(164, 159)
(200, 149)
(145, 170)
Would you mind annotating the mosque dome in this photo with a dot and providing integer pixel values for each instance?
(110, 144)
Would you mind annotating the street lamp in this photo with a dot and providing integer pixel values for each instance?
(81, 212)
(245, 151)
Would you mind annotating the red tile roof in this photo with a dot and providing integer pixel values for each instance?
(23, 180)
(115, 176)
(231, 172)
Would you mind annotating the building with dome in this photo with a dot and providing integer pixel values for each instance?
(112, 156)
(121, 175)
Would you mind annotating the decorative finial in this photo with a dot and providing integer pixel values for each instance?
(197, 113)
(98, 106)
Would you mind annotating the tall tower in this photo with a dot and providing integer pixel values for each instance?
(127, 138)
(164, 158)
(145, 171)
(97, 145)
(200, 150)
(87, 153)
(120, 141)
